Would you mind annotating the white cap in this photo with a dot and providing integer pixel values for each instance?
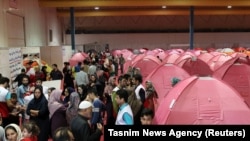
(85, 104)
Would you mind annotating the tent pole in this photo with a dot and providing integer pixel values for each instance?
(191, 28)
(72, 22)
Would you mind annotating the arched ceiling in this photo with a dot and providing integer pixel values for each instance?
(148, 16)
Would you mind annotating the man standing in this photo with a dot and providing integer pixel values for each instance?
(122, 82)
(139, 88)
(80, 126)
(4, 84)
(98, 108)
(56, 74)
(121, 63)
(19, 77)
(140, 94)
(82, 78)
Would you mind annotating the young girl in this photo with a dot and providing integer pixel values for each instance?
(30, 131)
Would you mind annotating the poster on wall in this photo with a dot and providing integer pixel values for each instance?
(15, 63)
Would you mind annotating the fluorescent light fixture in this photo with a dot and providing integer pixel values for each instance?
(229, 6)
(164, 6)
(97, 8)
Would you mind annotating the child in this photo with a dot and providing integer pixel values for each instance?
(14, 109)
(147, 116)
(30, 131)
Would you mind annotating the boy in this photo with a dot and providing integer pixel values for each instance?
(125, 114)
(147, 116)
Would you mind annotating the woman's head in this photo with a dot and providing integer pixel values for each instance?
(55, 96)
(38, 92)
(92, 78)
(68, 91)
(13, 132)
(81, 89)
(50, 90)
(112, 81)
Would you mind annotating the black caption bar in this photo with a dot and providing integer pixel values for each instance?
(178, 132)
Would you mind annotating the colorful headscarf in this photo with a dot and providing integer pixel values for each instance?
(55, 102)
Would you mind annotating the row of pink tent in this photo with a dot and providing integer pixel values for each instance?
(214, 87)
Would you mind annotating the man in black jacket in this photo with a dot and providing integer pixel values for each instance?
(80, 126)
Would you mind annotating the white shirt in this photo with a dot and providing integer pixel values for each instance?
(3, 93)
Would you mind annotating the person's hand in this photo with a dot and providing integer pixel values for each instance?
(99, 126)
(22, 108)
(32, 89)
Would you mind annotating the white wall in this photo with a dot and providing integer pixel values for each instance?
(53, 24)
(37, 22)
(34, 35)
(3, 29)
(163, 40)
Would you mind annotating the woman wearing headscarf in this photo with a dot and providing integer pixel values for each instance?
(110, 85)
(71, 111)
(13, 132)
(57, 111)
(82, 92)
(66, 94)
(1, 133)
(108, 102)
(38, 111)
(151, 96)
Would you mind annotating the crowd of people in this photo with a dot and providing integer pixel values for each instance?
(94, 93)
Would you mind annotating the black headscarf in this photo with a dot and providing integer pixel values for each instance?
(40, 88)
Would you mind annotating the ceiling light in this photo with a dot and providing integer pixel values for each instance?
(229, 6)
(97, 8)
(164, 6)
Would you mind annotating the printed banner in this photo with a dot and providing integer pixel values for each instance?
(15, 61)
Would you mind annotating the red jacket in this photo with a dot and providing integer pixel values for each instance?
(32, 138)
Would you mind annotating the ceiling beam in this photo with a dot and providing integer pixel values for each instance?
(152, 13)
(140, 3)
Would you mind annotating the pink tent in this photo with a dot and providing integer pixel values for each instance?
(147, 65)
(85, 54)
(210, 49)
(137, 58)
(132, 60)
(171, 58)
(190, 52)
(175, 51)
(116, 52)
(77, 57)
(197, 67)
(150, 52)
(162, 55)
(161, 78)
(215, 53)
(202, 100)
(242, 57)
(126, 53)
(237, 76)
(126, 65)
(217, 61)
(205, 57)
(182, 59)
